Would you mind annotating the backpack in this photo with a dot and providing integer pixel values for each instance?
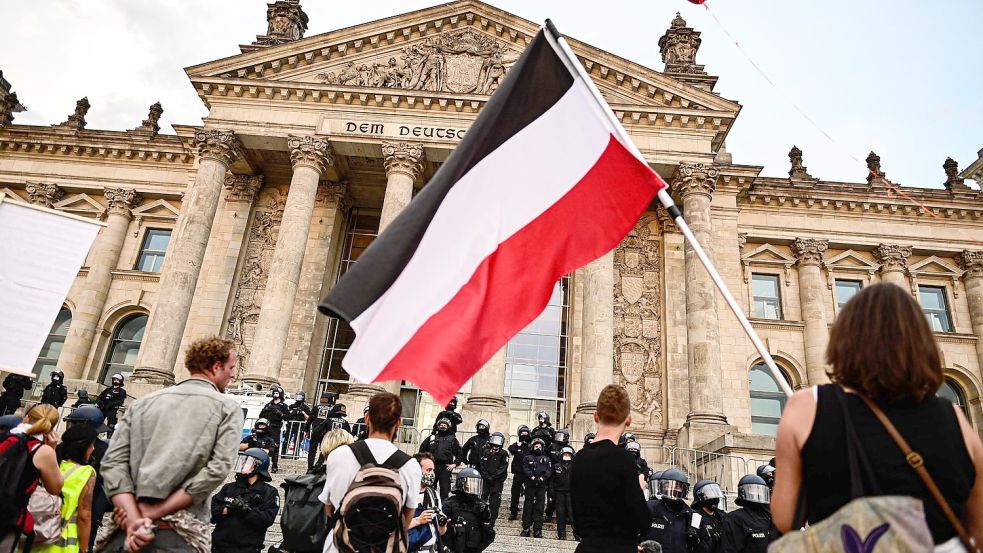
(15, 454)
(302, 521)
(371, 514)
(46, 510)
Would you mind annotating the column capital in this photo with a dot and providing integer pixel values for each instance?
(121, 200)
(310, 151)
(242, 188)
(403, 157)
(809, 251)
(971, 261)
(335, 194)
(221, 146)
(44, 193)
(666, 224)
(695, 179)
(892, 257)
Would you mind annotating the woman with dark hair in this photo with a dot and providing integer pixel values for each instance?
(74, 451)
(880, 347)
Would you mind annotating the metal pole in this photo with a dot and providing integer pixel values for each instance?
(570, 60)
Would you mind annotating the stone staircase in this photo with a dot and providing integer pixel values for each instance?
(507, 538)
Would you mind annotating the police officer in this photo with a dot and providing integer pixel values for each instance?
(544, 431)
(625, 439)
(361, 430)
(91, 415)
(767, 473)
(335, 419)
(298, 413)
(518, 450)
(635, 450)
(537, 469)
(474, 447)
(493, 465)
(110, 401)
(749, 529)
(259, 438)
(654, 494)
(710, 503)
(588, 438)
(450, 413)
(560, 486)
(560, 440)
(14, 387)
(670, 515)
(244, 509)
(446, 451)
(275, 412)
(82, 398)
(469, 519)
(55, 393)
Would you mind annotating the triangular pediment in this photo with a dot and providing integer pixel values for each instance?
(851, 260)
(768, 254)
(7, 193)
(933, 266)
(161, 210)
(81, 204)
(457, 50)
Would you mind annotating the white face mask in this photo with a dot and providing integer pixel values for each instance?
(567, 458)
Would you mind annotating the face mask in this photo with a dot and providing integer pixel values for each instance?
(524, 437)
(537, 450)
(429, 478)
(567, 458)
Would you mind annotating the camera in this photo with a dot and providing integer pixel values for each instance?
(440, 517)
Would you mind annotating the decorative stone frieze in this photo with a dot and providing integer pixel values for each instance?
(893, 258)
(695, 178)
(76, 120)
(242, 188)
(310, 151)
(809, 251)
(285, 22)
(122, 200)
(971, 261)
(403, 157)
(222, 146)
(44, 193)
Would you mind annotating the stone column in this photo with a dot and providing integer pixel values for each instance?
(894, 263)
(598, 342)
(487, 399)
(971, 261)
(812, 290)
(310, 157)
(695, 183)
(92, 298)
(403, 163)
(217, 150)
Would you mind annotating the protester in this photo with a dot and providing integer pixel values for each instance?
(331, 441)
(111, 400)
(536, 470)
(609, 510)
(155, 475)
(446, 451)
(494, 469)
(55, 393)
(245, 508)
(7, 422)
(519, 449)
(468, 515)
(882, 347)
(710, 503)
(475, 445)
(34, 438)
(14, 386)
(560, 487)
(77, 492)
(429, 522)
(671, 516)
(91, 416)
(275, 412)
(383, 421)
(450, 413)
(750, 528)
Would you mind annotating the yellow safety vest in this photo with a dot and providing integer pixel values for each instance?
(71, 493)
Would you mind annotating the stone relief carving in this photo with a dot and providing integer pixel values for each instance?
(971, 261)
(874, 168)
(679, 46)
(637, 320)
(253, 274)
(464, 61)
(121, 200)
(151, 124)
(952, 179)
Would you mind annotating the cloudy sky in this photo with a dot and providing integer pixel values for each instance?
(900, 77)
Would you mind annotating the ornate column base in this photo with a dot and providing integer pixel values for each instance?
(583, 421)
(357, 397)
(701, 429)
(146, 380)
(491, 408)
(259, 381)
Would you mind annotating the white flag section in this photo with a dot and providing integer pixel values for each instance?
(41, 252)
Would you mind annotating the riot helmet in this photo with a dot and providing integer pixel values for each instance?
(496, 441)
(752, 489)
(117, 378)
(537, 443)
(523, 433)
(588, 438)
(82, 394)
(443, 425)
(562, 436)
(88, 414)
(654, 484)
(300, 396)
(707, 493)
(339, 410)
(767, 473)
(469, 482)
(672, 484)
(567, 450)
(253, 461)
(482, 427)
(58, 377)
(544, 418)
(453, 404)
(625, 439)
(261, 426)
(634, 449)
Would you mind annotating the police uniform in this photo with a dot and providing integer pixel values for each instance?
(446, 450)
(261, 440)
(545, 433)
(518, 450)
(109, 402)
(276, 413)
(55, 393)
(670, 521)
(297, 415)
(469, 523)
(560, 487)
(537, 470)
(748, 530)
(14, 387)
(242, 513)
(452, 416)
(494, 469)
(474, 448)
(332, 419)
(708, 535)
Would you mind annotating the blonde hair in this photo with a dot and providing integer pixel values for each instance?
(43, 418)
(334, 439)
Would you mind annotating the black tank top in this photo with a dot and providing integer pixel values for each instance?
(930, 427)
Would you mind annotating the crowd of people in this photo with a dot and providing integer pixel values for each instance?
(872, 458)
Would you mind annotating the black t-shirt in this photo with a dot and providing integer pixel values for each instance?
(609, 509)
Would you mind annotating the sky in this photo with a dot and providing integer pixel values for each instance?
(897, 77)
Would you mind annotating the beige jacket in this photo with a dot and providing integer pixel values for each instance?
(184, 436)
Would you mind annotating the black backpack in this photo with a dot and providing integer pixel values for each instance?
(15, 454)
(303, 522)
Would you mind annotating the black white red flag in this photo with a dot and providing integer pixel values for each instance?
(539, 186)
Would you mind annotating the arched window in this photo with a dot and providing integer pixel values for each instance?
(51, 350)
(124, 347)
(953, 392)
(767, 401)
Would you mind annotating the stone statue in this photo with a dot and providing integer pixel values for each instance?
(150, 124)
(952, 179)
(798, 170)
(7, 106)
(77, 119)
(285, 22)
(874, 167)
(679, 46)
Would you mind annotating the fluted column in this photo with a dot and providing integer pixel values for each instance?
(103, 259)
(217, 150)
(894, 263)
(597, 369)
(695, 183)
(971, 261)
(811, 295)
(487, 399)
(404, 163)
(310, 157)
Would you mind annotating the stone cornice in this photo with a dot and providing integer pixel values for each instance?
(121, 145)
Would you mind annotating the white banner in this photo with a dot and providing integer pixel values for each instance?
(41, 252)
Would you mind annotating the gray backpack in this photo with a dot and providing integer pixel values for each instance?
(370, 518)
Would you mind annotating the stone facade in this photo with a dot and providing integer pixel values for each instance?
(301, 131)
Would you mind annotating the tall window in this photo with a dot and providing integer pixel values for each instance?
(766, 296)
(124, 347)
(51, 350)
(767, 401)
(153, 249)
(936, 307)
(953, 392)
(846, 289)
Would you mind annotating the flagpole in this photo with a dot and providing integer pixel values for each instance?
(570, 60)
